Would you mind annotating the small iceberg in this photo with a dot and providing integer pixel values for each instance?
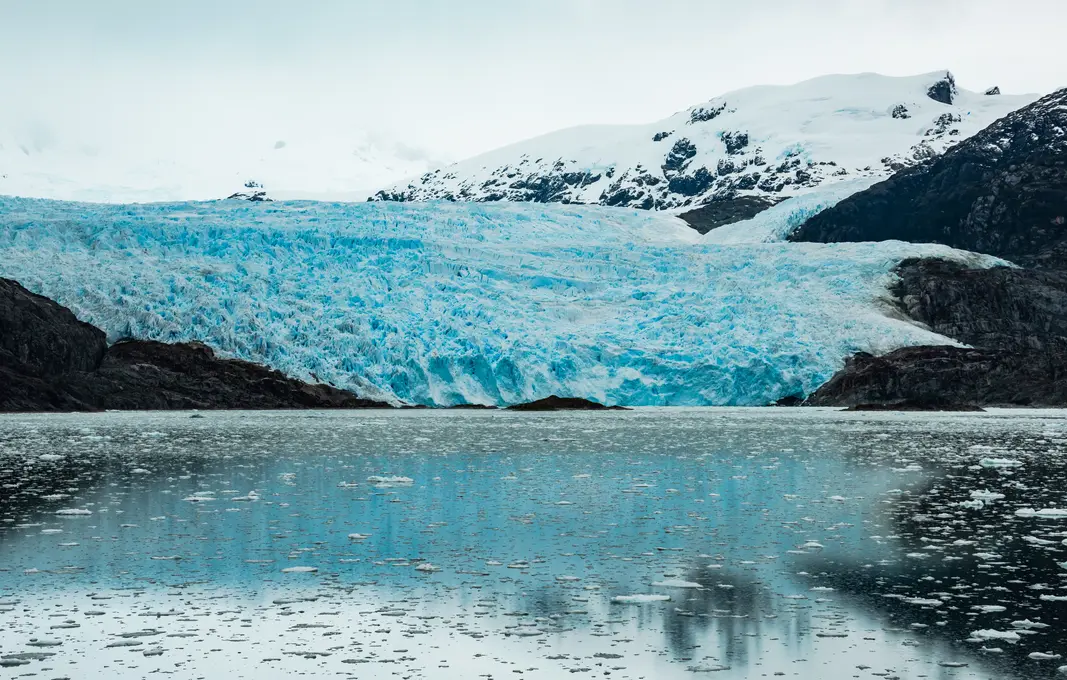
(1046, 513)
(639, 599)
(676, 583)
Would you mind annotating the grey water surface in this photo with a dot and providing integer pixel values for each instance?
(658, 544)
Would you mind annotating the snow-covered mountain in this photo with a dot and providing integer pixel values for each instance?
(763, 143)
(452, 303)
(36, 161)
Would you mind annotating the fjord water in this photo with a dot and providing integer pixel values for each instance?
(666, 543)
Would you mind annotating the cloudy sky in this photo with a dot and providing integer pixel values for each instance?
(452, 78)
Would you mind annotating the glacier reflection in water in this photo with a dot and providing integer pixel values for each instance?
(744, 543)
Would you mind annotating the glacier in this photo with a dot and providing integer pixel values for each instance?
(455, 303)
(779, 221)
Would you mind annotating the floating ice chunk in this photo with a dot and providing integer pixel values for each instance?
(49, 457)
(812, 545)
(676, 583)
(375, 479)
(707, 669)
(427, 567)
(639, 599)
(952, 664)
(1042, 656)
(1034, 540)
(1054, 598)
(299, 570)
(1027, 624)
(972, 504)
(251, 497)
(1000, 463)
(199, 498)
(51, 531)
(923, 602)
(989, 634)
(168, 558)
(987, 496)
(73, 512)
(140, 471)
(568, 579)
(1045, 513)
(359, 537)
(989, 608)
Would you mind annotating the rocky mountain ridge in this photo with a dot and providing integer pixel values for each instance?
(1002, 192)
(758, 145)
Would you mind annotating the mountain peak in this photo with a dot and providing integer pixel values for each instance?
(767, 142)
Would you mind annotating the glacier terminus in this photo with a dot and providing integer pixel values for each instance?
(446, 303)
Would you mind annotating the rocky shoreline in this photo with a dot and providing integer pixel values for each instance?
(51, 361)
(1015, 321)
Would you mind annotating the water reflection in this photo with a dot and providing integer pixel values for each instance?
(495, 542)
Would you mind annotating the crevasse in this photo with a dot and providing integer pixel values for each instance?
(444, 303)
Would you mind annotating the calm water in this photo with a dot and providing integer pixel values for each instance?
(650, 544)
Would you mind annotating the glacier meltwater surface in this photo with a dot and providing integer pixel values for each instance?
(442, 303)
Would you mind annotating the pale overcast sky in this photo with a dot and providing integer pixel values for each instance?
(459, 77)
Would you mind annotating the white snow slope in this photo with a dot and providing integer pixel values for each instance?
(448, 303)
(771, 141)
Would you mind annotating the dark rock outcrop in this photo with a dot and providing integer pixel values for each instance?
(1004, 308)
(1016, 319)
(1000, 192)
(944, 90)
(678, 157)
(51, 361)
(727, 211)
(40, 338)
(141, 375)
(256, 196)
(255, 192)
(916, 406)
(938, 375)
(554, 403)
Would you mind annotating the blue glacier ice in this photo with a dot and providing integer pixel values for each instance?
(778, 222)
(449, 303)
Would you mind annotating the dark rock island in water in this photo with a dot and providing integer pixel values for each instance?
(555, 403)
